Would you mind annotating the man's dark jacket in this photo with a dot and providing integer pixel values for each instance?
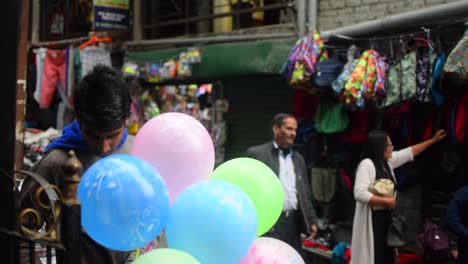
(268, 154)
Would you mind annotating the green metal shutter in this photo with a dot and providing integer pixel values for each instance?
(253, 101)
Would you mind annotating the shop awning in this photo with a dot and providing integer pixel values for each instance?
(253, 57)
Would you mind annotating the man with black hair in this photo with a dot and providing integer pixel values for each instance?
(101, 107)
(298, 212)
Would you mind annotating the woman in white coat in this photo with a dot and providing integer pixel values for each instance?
(368, 244)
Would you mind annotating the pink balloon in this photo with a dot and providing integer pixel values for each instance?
(267, 250)
(179, 147)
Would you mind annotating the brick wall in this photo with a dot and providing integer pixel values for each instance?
(338, 13)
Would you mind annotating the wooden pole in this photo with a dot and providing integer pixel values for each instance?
(21, 83)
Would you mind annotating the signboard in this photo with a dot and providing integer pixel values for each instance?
(111, 15)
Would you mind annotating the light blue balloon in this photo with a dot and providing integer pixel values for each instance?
(124, 202)
(214, 221)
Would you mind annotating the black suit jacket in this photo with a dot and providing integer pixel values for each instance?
(268, 154)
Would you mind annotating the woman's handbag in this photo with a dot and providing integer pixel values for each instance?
(396, 231)
(383, 188)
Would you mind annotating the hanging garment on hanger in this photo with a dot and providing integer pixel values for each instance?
(461, 119)
(95, 40)
(54, 72)
(40, 57)
(424, 63)
(70, 73)
(91, 57)
(401, 80)
(437, 96)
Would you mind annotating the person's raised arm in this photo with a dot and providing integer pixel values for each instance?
(420, 147)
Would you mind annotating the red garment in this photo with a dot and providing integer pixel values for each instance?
(461, 118)
(429, 127)
(359, 127)
(308, 243)
(345, 176)
(54, 72)
(409, 258)
(347, 254)
(304, 105)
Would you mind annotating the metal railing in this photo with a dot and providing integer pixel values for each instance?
(235, 13)
(48, 219)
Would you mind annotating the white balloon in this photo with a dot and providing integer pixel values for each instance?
(267, 250)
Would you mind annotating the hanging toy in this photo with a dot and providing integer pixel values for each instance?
(193, 55)
(154, 73)
(184, 67)
(130, 69)
(169, 70)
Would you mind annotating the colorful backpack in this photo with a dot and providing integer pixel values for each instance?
(365, 82)
(457, 59)
(302, 60)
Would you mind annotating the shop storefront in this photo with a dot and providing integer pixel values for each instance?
(243, 76)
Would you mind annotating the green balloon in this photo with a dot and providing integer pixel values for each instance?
(166, 256)
(259, 183)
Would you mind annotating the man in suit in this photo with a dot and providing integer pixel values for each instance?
(298, 212)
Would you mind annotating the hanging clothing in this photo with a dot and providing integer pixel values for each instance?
(53, 72)
(40, 57)
(92, 56)
(457, 59)
(70, 84)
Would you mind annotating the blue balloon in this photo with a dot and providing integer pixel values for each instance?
(124, 202)
(214, 221)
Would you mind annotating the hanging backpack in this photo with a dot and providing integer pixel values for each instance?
(456, 60)
(331, 117)
(302, 60)
(366, 81)
(326, 72)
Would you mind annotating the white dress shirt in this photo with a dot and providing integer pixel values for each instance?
(287, 178)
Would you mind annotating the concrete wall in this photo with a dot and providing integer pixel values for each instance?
(338, 13)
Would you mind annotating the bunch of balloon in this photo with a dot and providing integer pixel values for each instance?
(179, 147)
(124, 202)
(271, 250)
(214, 221)
(259, 183)
(166, 256)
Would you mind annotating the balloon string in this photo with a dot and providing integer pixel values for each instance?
(137, 253)
(150, 245)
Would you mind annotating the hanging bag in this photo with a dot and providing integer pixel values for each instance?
(396, 237)
(331, 117)
(323, 184)
(326, 72)
(456, 61)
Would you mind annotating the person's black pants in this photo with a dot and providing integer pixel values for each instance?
(383, 254)
(287, 230)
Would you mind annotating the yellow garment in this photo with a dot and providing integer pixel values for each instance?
(255, 15)
(259, 15)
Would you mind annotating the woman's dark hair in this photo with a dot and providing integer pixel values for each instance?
(375, 149)
(102, 99)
